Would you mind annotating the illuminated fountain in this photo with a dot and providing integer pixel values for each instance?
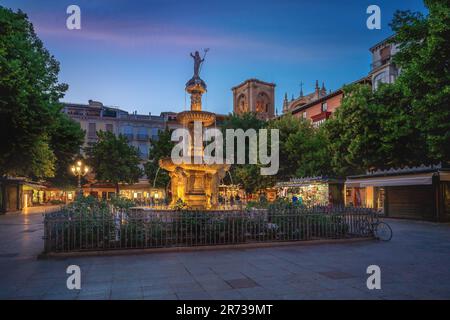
(197, 185)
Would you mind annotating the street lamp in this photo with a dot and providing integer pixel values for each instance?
(155, 198)
(79, 170)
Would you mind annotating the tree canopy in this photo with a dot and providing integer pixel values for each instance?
(424, 59)
(407, 122)
(29, 102)
(159, 148)
(247, 175)
(303, 148)
(113, 160)
(65, 139)
(372, 130)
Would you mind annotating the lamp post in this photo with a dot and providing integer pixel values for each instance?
(79, 170)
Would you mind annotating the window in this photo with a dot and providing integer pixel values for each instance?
(304, 115)
(109, 127)
(324, 106)
(127, 131)
(385, 53)
(143, 150)
(142, 133)
(262, 103)
(92, 130)
(382, 77)
(155, 132)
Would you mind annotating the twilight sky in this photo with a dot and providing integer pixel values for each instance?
(135, 54)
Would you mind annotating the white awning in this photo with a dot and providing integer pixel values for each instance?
(403, 180)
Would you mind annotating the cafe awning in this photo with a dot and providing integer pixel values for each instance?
(400, 180)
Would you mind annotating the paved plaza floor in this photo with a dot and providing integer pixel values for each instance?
(414, 265)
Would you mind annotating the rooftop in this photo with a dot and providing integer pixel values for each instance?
(253, 80)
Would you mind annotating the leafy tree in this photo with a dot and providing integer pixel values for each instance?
(424, 59)
(408, 122)
(287, 126)
(308, 151)
(42, 160)
(373, 130)
(247, 175)
(303, 148)
(159, 148)
(113, 160)
(66, 139)
(353, 131)
(29, 94)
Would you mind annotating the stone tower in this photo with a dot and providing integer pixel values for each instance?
(255, 96)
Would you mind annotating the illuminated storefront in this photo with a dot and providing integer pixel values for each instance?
(312, 191)
(413, 193)
(139, 192)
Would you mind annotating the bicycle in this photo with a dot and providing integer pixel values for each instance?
(379, 229)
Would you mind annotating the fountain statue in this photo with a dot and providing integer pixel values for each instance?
(196, 184)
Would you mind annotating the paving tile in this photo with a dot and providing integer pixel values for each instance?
(127, 294)
(152, 291)
(186, 287)
(414, 265)
(197, 295)
(257, 293)
(336, 275)
(242, 283)
(226, 295)
(215, 285)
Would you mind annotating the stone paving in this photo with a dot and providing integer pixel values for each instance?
(414, 265)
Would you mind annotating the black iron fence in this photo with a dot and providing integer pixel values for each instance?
(109, 229)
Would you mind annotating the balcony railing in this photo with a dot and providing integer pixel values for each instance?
(142, 137)
(129, 136)
(380, 62)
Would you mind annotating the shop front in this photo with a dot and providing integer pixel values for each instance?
(142, 192)
(33, 195)
(413, 193)
(312, 191)
(19, 193)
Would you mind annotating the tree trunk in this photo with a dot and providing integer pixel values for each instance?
(117, 189)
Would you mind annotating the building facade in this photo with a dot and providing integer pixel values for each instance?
(254, 96)
(137, 128)
(382, 68)
(320, 105)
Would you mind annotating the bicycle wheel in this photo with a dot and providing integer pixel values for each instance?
(383, 231)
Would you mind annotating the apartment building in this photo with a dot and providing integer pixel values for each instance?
(138, 128)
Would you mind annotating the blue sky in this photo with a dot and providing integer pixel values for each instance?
(135, 54)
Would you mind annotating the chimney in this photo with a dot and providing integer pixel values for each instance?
(317, 90)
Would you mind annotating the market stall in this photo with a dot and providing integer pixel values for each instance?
(312, 191)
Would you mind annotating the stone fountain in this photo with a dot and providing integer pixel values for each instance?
(195, 184)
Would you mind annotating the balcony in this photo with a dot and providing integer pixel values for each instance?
(381, 62)
(129, 136)
(142, 137)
